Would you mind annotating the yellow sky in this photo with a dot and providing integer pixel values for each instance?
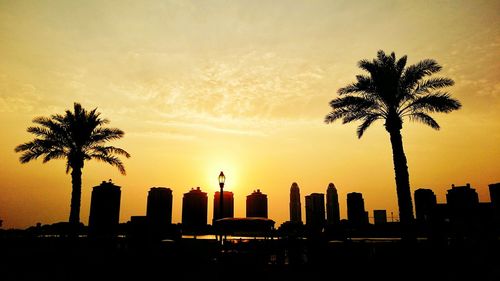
(243, 87)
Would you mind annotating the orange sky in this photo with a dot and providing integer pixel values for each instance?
(243, 87)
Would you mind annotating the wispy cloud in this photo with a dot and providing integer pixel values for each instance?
(237, 94)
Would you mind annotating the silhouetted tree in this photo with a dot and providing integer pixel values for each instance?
(75, 136)
(392, 92)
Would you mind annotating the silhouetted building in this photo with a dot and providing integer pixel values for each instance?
(159, 206)
(332, 205)
(495, 202)
(315, 210)
(463, 203)
(194, 209)
(379, 216)
(425, 202)
(462, 199)
(104, 209)
(138, 228)
(257, 205)
(228, 205)
(295, 207)
(356, 213)
(495, 194)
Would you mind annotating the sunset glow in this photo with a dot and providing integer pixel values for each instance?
(241, 87)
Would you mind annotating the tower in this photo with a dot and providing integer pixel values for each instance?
(194, 209)
(332, 205)
(257, 205)
(159, 206)
(356, 213)
(463, 203)
(425, 202)
(228, 205)
(104, 209)
(295, 207)
(315, 210)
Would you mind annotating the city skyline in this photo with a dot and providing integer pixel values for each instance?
(241, 88)
(361, 215)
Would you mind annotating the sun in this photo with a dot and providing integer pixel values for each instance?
(213, 169)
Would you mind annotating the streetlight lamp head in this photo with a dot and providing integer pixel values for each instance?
(222, 179)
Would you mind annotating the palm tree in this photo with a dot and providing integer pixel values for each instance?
(393, 92)
(76, 136)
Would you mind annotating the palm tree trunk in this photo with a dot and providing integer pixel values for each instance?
(402, 178)
(76, 195)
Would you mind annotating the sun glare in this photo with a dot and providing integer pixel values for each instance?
(213, 169)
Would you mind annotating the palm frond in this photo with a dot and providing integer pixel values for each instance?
(433, 84)
(414, 73)
(351, 102)
(424, 118)
(100, 135)
(367, 65)
(39, 131)
(29, 155)
(25, 146)
(401, 63)
(335, 115)
(108, 150)
(367, 121)
(436, 102)
(54, 154)
(354, 115)
(112, 160)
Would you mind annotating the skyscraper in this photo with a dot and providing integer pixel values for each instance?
(159, 206)
(194, 209)
(295, 207)
(462, 203)
(228, 205)
(315, 210)
(425, 202)
(104, 209)
(356, 213)
(257, 205)
(332, 205)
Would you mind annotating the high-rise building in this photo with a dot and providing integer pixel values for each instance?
(295, 207)
(332, 205)
(495, 194)
(257, 205)
(159, 206)
(462, 202)
(315, 210)
(228, 205)
(356, 213)
(425, 202)
(379, 216)
(104, 209)
(194, 209)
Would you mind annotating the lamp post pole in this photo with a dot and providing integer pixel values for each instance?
(222, 179)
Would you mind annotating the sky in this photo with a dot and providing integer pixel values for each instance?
(242, 87)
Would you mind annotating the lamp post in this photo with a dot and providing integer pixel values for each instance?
(222, 179)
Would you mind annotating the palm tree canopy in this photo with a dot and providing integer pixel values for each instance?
(75, 136)
(391, 91)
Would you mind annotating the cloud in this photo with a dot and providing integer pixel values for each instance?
(252, 84)
(238, 94)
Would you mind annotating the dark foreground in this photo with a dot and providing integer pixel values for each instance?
(189, 259)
